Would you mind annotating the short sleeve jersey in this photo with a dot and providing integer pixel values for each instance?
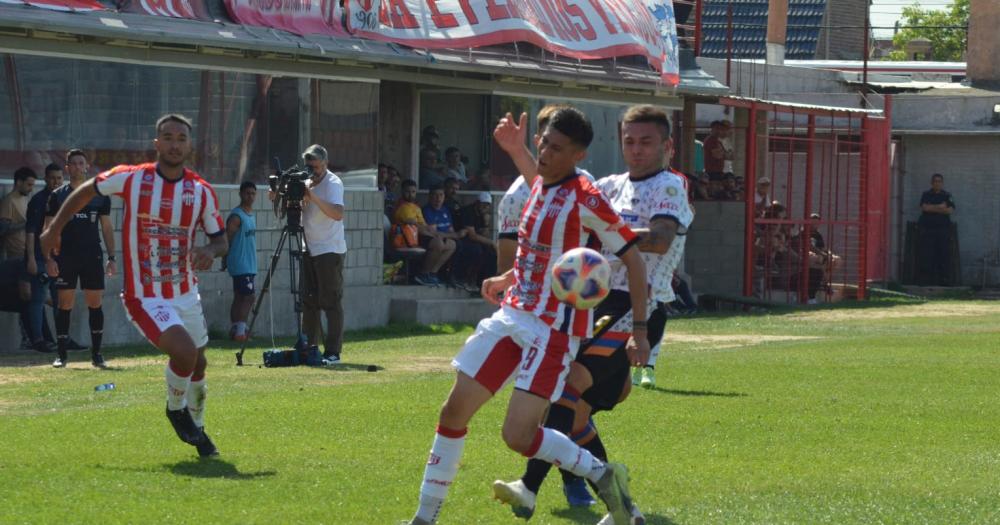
(158, 227)
(439, 218)
(559, 217)
(639, 202)
(81, 236)
(512, 204)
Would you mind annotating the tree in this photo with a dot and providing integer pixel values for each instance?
(947, 31)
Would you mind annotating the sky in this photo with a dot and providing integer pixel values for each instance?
(887, 12)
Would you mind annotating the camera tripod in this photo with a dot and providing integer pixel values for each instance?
(292, 230)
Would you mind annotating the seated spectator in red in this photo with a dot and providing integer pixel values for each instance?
(439, 249)
(453, 165)
(475, 220)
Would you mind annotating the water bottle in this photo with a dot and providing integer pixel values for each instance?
(105, 386)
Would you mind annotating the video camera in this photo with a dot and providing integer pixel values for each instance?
(290, 187)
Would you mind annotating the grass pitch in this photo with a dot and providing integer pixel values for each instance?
(886, 413)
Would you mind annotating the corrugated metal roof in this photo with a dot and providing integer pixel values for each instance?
(749, 28)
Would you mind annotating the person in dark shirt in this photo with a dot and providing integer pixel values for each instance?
(934, 260)
(36, 323)
(474, 219)
(81, 259)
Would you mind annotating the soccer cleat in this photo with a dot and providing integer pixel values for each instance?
(577, 494)
(648, 378)
(636, 519)
(98, 361)
(613, 490)
(185, 427)
(206, 448)
(60, 362)
(636, 376)
(515, 494)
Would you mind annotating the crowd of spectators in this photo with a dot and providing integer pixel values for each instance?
(783, 254)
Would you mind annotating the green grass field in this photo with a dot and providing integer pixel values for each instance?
(887, 414)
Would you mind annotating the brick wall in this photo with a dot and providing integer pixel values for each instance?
(366, 301)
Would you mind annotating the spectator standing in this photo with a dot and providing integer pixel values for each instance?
(439, 249)
(761, 196)
(14, 211)
(454, 167)
(80, 259)
(431, 174)
(322, 279)
(241, 260)
(439, 218)
(35, 262)
(936, 206)
(715, 150)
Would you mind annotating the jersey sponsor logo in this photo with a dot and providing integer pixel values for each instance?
(146, 193)
(631, 218)
(166, 203)
(161, 315)
(510, 224)
(433, 459)
(187, 197)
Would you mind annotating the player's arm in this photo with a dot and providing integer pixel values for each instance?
(506, 250)
(108, 233)
(512, 137)
(494, 287)
(54, 225)
(29, 255)
(232, 227)
(202, 256)
(658, 237)
(331, 210)
(638, 294)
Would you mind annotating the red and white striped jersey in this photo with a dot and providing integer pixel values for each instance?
(158, 227)
(559, 217)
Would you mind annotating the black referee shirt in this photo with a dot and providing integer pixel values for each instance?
(936, 220)
(82, 234)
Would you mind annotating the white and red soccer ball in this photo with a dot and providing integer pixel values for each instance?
(581, 277)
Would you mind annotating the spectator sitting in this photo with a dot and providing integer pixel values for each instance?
(439, 248)
(451, 198)
(388, 183)
(700, 188)
(761, 196)
(439, 219)
(716, 153)
(431, 174)
(728, 190)
(453, 166)
(475, 220)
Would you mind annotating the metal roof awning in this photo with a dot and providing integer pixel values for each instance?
(219, 45)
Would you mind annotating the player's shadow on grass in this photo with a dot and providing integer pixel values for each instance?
(351, 367)
(214, 468)
(698, 393)
(595, 513)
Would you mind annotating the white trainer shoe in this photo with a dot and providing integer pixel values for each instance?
(515, 494)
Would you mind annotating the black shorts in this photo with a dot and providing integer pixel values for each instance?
(88, 270)
(604, 355)
(243, 284)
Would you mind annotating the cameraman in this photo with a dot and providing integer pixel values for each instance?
(322, 279)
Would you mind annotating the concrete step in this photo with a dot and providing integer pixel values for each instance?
(426, 292)
(438, 311)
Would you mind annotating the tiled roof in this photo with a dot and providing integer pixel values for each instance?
(750, 28)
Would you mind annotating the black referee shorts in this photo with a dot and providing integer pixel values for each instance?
(87, 270)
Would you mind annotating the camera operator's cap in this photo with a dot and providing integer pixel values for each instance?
(484, 197)
(764, 181)
(316, 152)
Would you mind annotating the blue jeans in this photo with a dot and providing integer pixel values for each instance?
(37, 327)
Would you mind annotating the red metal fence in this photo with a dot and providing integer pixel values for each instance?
(819, 229)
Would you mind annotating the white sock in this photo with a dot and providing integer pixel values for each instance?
(654, 354)
(561, 451)
(442, 465)
(196, 394)
(177, 387)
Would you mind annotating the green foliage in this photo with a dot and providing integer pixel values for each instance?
(948, 43)
(881, 412)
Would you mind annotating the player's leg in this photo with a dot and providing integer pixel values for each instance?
(312, 327)
(65, 296)
(484, 365)
(657, 325)
(92, 283)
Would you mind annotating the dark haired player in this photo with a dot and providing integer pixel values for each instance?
(164, 205)
(81, 259)
(652, 200)
(531, 339)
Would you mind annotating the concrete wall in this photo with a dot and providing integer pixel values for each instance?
(396, 102)
(970, 166)
(366, 301)
(714, 249)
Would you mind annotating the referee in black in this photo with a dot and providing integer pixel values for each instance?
(81, 259)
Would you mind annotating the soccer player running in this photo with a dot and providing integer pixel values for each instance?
(533, 336)
(80, 259)
(653, 201)
(164, 203)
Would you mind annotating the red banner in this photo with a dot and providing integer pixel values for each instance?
(60, 5)
(192, 9)
(583, 29)
(302, 17)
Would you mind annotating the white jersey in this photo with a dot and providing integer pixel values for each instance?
(661, 195)
(512, 204)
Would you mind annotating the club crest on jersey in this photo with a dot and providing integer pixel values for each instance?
(148, 177)
(672, 191)
(563, 192)
(188, 185)
(188, 196)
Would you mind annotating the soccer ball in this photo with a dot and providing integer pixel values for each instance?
(581, 278)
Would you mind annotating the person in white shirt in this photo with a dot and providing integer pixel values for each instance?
(322, 277)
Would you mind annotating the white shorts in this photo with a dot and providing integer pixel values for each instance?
(153, 315)
(512, 344)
